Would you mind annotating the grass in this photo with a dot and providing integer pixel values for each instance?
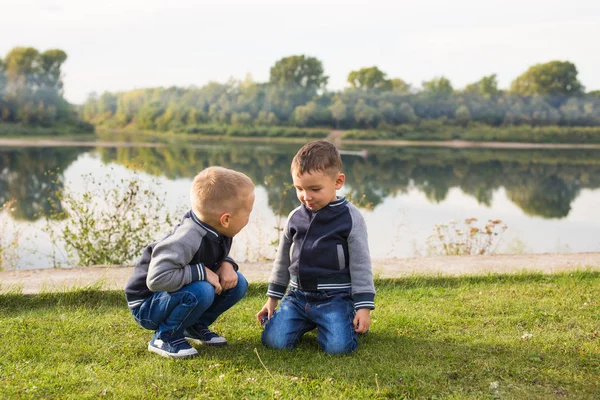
(431, 337)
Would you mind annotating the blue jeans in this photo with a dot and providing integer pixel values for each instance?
(331, 312)
(195, 303)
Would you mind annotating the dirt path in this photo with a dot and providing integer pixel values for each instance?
(115, 277)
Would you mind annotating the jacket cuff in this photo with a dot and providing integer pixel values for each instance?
(276, 291)
(198, 272)
(364, 300)
(230, 260)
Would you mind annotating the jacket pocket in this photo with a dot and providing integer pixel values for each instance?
(341, 257)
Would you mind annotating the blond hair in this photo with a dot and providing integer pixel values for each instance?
(216, 190)
(320, 156)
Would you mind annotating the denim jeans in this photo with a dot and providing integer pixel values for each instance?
(195, 303)
(331, 312)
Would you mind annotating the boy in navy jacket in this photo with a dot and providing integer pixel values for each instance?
(324, 257)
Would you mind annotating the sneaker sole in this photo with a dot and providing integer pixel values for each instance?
(186, 354)
(205, 343)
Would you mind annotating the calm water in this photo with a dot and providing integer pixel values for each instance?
(549, 199)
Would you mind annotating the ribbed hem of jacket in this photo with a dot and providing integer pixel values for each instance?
(276, 291)
(360, 300)
(364, 300)
(135, 303)
(198, 272)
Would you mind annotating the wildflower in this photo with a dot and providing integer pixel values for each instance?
(526, 336)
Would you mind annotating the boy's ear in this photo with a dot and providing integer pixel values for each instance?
(339, 181)
(224, 220)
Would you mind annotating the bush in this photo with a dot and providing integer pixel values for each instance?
(460, 239)
(8, 242)
(108, 223)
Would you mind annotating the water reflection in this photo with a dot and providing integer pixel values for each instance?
(542, 183)
(548, 198)
(32, 176)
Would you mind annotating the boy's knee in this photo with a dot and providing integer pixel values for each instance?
(242, 284)
(203, 291)
(276, 341)
(339, 345)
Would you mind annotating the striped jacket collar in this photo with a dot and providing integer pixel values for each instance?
(213, 234)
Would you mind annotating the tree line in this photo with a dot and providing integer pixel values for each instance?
(296, 95)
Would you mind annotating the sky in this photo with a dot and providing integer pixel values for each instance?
(127, 44)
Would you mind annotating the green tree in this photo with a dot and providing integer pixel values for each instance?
(366, 115)
(406, 114)
(371, 78)
(400, 86)
(339, 111)
(21, 66)
(463, 115)
(49, 77)
(266, 118)
(299, 71)
(438, 86)
(554, 78)
(487, 86)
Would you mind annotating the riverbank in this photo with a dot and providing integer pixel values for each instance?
(57, 129)
(115, 277)
(335, 136)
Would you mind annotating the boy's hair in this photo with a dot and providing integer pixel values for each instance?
(320, 156)
(216, 190)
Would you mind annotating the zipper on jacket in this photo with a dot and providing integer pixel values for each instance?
(314, 216)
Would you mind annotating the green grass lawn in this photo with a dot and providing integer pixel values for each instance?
(491, 337)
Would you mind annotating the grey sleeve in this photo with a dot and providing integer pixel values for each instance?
(361, 273)
(280, 274)
(169, 268)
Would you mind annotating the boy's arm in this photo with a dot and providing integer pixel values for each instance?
(280, 274)
(361, 274)
(169, 268)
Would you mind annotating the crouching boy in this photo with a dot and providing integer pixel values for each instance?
(184, 282)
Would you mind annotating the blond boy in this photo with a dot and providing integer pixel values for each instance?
(324, 257)
(182, 283)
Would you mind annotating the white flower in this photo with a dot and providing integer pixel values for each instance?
(526, 336)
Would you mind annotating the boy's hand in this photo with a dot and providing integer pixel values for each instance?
(362, 320)
(213, 279)
(227, 276)
(267, 310)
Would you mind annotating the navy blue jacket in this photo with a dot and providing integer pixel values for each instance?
(324, 250)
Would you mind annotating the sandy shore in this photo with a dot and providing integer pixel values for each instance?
(115, 277)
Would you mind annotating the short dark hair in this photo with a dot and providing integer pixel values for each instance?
(319, 155)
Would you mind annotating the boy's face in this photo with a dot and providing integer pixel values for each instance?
(317, 189)
(239, 219)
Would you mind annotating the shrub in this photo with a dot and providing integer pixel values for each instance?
(108, 223)
(459, 239)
